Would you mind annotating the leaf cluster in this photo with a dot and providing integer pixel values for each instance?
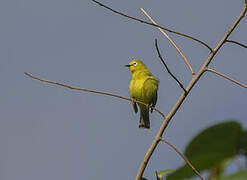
(212, 150)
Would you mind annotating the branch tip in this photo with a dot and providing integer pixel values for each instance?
(227, 77)
(235, 42)
(171, 41)
(152, 24)
(168, 70)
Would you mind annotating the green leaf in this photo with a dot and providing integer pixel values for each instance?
(243, 143)
(216, 172)
(164, 172)
(241, 175)
(209, 148)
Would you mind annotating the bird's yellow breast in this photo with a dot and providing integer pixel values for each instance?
(137, 87)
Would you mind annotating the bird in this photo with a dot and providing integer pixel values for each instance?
(143, 87)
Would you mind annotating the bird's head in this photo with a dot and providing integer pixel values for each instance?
(136, 65)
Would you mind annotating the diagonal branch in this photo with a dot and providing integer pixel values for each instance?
(182, 97)
(92, 91)
(164, 28)
(235, 42)
(168, 70)
(182, 156)
(171, 41)
(227, 77)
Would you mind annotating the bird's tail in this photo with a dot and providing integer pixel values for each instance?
(144, 119)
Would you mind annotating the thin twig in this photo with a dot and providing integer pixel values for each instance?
(235, 42)
(164, 28)
(171, 41)
(93, 91)
(182, 156)
(227, 77)
(182, 97)
(168, 70)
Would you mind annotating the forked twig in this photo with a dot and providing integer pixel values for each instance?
(227, 77)
(182, 156)
(168, 70)
(164, 28)
(92, 91)
(171, 41)
(235, 42)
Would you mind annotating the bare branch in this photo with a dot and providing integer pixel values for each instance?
(168, 70)
(235, 42)
(93, 91)
(164, 28)
(171, 41)
(227, 77)
(182, 156)
(182, 97)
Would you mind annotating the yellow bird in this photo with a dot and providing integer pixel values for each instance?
(143, 87)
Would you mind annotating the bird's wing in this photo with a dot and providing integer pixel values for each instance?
(150, 89)
(131, 86)
(154, 100)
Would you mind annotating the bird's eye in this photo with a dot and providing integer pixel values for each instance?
(134, 64)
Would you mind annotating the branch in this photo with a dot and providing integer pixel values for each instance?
(235, 42)
(182, 156)
(152, 24)
(182, 97)
(93, 91)
(168, 70)
(227, 77)
(171, 41)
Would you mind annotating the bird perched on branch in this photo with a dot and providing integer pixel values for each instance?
(143, 87)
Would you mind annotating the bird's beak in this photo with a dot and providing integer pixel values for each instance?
(127, 65)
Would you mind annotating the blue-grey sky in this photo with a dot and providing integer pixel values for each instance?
(49, 132)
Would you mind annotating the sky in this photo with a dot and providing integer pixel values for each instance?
(49, 132)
